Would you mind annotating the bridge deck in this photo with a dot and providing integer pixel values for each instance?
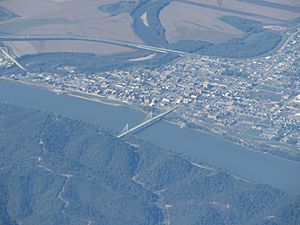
(145, 123)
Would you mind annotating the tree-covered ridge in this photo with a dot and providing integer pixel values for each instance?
(55, 170)
(60, 171)
(195, 195)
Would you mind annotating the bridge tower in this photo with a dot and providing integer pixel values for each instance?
(125, 129)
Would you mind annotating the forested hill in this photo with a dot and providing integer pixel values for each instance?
(55, 170)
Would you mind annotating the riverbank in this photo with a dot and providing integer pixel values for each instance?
(209, 149)
(175, 119)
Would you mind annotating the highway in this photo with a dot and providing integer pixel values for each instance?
(91, 39)
(291, 37)
(13, 60)
(146, 123)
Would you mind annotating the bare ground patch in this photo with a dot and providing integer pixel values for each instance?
(195, 23)
(201, 21)
(33, 47)
(76, 17)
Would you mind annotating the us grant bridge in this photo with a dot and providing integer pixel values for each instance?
(144, 124)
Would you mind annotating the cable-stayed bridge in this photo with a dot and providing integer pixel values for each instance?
(144, 124)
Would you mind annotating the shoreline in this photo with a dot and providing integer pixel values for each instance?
(199, 130)
(119, 103)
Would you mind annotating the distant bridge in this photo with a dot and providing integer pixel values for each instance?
(91, 39)
(145, 123)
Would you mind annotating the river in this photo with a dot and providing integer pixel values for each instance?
(214, 150)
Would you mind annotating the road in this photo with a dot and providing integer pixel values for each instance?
(92, 39)
(288, 40)
(12, 59)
